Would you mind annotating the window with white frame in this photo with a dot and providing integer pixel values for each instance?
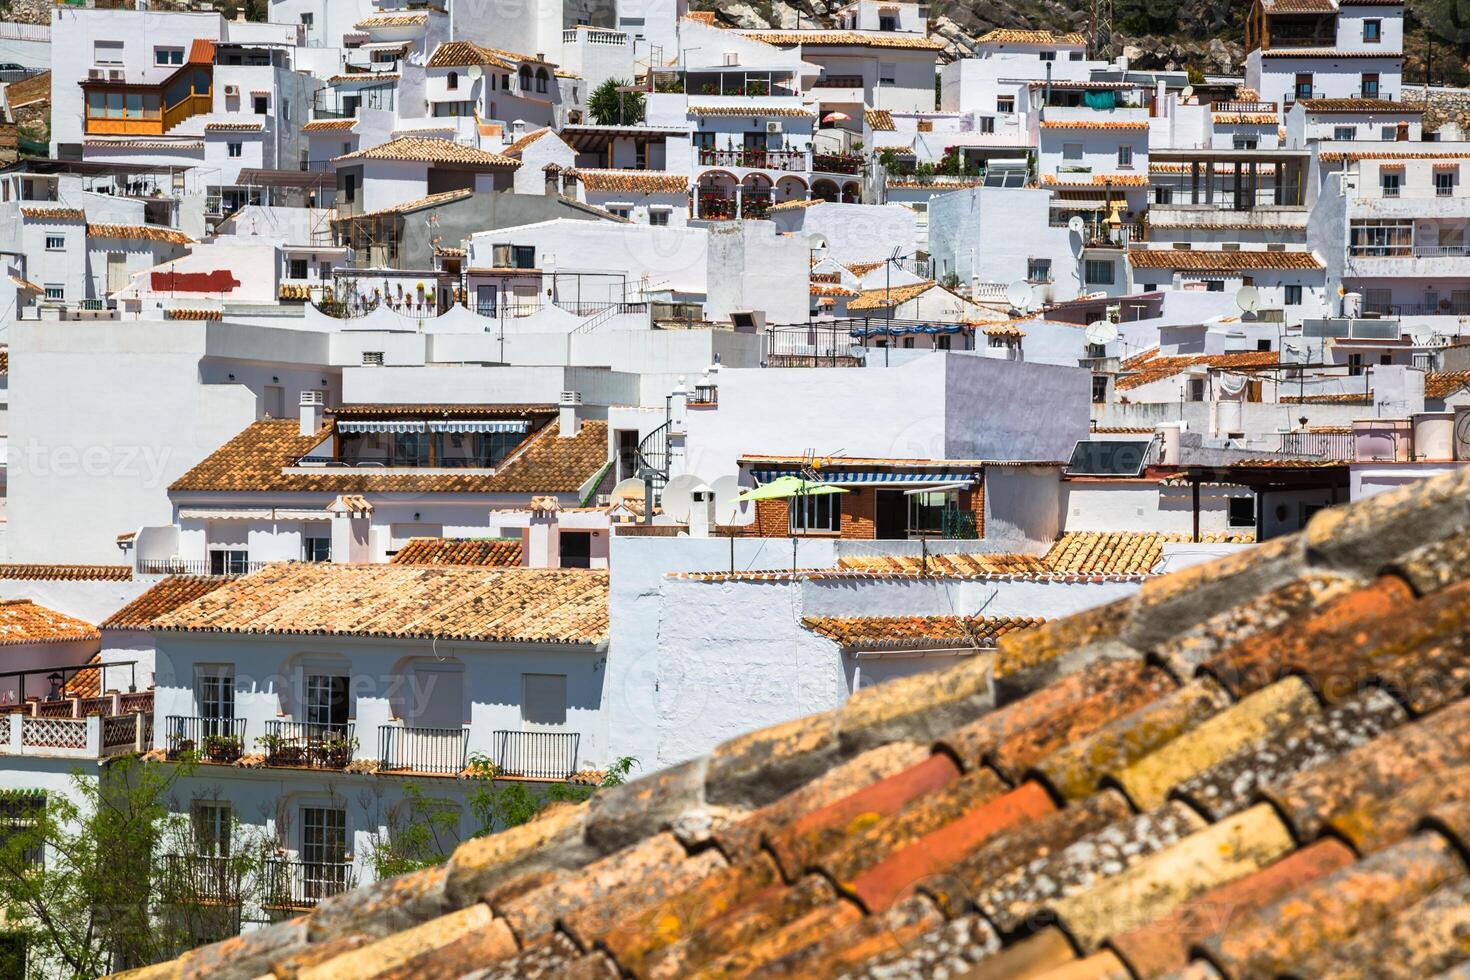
(815, 513)
(1125, 157)
(1071, 151)
(1344, 132)
(55, 290)
(234, 149)
(20, 812)
(214, 690)
(658, 216)
(1048, 56)
(1005, 103)
(887, 73)
(229, 561)
(1038, 270)
(1444, 182)
(1391, 181)
(212, 821)
(1292, 294)
(55, 243)
(1245, 142)
(107, 52)
(325, 698)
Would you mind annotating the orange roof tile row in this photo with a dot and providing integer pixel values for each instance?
(486, 552)
(169, 594)
(22, 621)
(1251, 768)
(897, 632)
(1218, 260)
(879, 120)
(1442, 384)
(882, 298)
(67, 573)
(54, 214)
(328, 125)
(1359, 105)
(1006, 35)
(422, 149)
(633, 181)
(443, 602)
(826, 39)
(1097, 180)
(1133, 125)
(140, 233)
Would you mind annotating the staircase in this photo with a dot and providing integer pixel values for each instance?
(653, 455)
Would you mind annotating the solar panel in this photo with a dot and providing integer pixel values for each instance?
(1121, 457)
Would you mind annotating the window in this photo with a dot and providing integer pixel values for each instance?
(1344, 132)
(1245, 142)
(298, 269)
(55, 291)
(1293, 294)
(987, 124)
(544, 699)
(323, 851)
(214, 690)
(620, 210)
(325, 702)
(525, 76)
(261, 104)
(1005, 103)
(1370, 85)
(887, 73)
(316, 549)
(1263, 345)
(1304, 85)
(1388, 134)
(107, 52)
(1038, 270)
(541, 79)
(1074, 55)
(234, 149)
(1048, 56)
(658, 216)
(1071, 151)
(451, 81)
(1099, 387)
(933, 512)
(1391, 180)
(168, 56)
(1163, 195)
(1372, 31)
(349, 187)
(1099, 272)
(1197, 390)
(229, 561)
(1355, 364)
(1214, 285)
(815, 513)
(1444, 183)
(942, 342)
(19, 812)
(1125, 157)
(523, 256)
(887, 23)
(55, 243)
(1242, 511)
(211, 822)
(306, 20)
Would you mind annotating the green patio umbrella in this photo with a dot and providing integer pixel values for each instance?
(784, 487)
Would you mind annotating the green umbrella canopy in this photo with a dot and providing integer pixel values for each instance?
(784, 487)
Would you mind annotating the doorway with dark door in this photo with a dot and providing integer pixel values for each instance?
(891, 515)
(575, 550)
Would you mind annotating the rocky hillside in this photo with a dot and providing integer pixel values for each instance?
(1204, 34)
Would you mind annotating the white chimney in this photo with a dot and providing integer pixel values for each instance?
(571, 416)
(541, 543)
(701, 511)
(313, 408)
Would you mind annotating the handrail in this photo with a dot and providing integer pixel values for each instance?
(653, 456)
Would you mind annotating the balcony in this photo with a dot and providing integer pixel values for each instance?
(180, 566)
(594, 35)
(837, 163)
(220, 740)
(198, 879)
(535, 755)
(434, 751)
(297, 886)
(93, 737)
(1242, 105)
(306, 745)
(788, 161)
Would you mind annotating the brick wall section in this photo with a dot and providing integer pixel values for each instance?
(974, 499)
(770, 519)
(859, 514)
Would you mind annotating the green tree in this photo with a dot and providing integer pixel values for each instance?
(611, 107)
(85, 876)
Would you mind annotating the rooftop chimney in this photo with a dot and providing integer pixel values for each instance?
(553, 179)
(571, 420)
(313, 408)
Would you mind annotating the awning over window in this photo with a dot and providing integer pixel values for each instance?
(879, 330)
(480, 425)
(348, 428)
(853, 477)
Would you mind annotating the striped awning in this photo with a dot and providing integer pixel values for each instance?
(379, 426)
(874, 477)
(883, 330)
(479, 425)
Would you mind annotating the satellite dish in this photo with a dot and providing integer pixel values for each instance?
(474, 71)
(627, 490)
(1101, 332)
(816, 241)
(1248, 298)
(1421, 339)
(1018, 294)
(727, 503)
(678, 496)
(1076, 225)
(1462, 435)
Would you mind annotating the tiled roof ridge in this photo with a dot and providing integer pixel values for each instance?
(1283, 733)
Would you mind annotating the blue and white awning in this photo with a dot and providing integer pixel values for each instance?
(883, 330)
(348, 428)
(844, 478)
(480, 425)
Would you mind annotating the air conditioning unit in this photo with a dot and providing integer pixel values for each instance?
(732, 58)
(232, 90)
(500, 257)
(773, 126)
(96, 74)
(115, 74)
(372, 358)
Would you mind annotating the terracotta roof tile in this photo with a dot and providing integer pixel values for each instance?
(258, 459)
(633, 181)
(1008, 35)
(1421, 940)
(897, 632)
(872, 299)
(462, 54)
(424, 149)
(1097, 180)
(328, 125)
(54, 214)
(487, 605)
(141, 233)
(879, 120)
(1442, 384)
(514, 150)
(1144, 370)
(1218, 260)
(391, 20)
(1140, 125)
(165, 597)
(68, 573)
(1359, 105)
(1335, 53)
(22, 621)
(496, 552)
(754, 109)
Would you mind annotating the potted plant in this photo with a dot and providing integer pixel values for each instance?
(223, 748)
(335, 751)
(182, 746)
(281, 751)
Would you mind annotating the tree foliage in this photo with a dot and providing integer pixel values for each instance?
(611, 107)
